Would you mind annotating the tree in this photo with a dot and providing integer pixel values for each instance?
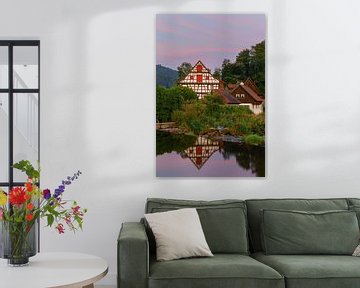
(217, 73)
(242, 65)
(258, 65)
(184, 69)
(228, 71)
(248, 63)
(185, 93)
(169, 100)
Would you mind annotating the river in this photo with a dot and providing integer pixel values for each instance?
(179, 155)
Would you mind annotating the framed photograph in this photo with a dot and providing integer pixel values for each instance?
(210, 95)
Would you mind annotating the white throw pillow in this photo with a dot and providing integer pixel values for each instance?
(357, 251)
(178, 234)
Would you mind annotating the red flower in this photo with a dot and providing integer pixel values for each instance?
(29, 187)
(29, 206)
(60, 228)
(17, 196)
(75, 209)
(27, 196)
(68, 219)
(29, 217)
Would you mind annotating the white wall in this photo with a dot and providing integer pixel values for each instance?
(96, 116)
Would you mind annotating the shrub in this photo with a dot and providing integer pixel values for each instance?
(254, 139)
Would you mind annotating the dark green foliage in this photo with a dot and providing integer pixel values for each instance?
(258, 65)
(217, 73)
(165, 76)
(248, 63)
(183, 70)
(169, 100)
(228, 72)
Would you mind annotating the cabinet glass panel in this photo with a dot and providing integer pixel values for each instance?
(26, 70)
(4, 139)
(4, 67)
(26, 130)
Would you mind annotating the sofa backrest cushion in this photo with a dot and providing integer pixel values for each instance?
(353, 202)
(223, 221)
(298, 232)
(256, 205)
(354, 205)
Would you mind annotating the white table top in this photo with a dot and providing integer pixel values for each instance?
(68, 270)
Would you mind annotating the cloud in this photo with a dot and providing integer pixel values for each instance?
(185, 37)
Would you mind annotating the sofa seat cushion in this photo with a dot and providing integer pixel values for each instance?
(222, 270)
(313, 271)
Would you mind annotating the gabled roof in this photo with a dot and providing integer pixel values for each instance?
(250, 91)
(250, 83)
(231, 86)
(228, 98)
(202, 64)
(253, 94)
(193, 72)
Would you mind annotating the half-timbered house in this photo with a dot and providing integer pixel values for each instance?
(200, 80)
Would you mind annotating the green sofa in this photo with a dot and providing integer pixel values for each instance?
(234, 232)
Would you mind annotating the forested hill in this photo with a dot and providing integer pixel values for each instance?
(165, 76)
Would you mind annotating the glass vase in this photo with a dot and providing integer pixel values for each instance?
(18, 242)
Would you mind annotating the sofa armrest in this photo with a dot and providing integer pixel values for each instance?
(133, 256)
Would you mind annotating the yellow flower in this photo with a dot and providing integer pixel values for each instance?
(3, 198)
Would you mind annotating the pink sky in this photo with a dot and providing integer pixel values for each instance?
(207, 37)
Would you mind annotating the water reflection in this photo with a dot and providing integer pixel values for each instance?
(190, 156)
(201, 151)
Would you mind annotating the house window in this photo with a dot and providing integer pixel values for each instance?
(199, 68)
(19, 108)
(237, 96)
(242, 96)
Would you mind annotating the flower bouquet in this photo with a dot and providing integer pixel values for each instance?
(21, 208)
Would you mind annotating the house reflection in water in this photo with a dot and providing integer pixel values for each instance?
(179, 155)
(201, 151)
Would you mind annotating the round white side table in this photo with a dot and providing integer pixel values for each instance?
(50, 270)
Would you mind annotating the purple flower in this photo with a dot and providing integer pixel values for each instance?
(58, 192)
(68, 181)
(46, 194)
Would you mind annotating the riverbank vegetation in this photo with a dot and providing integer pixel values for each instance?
(199, 117)
(202, 116)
